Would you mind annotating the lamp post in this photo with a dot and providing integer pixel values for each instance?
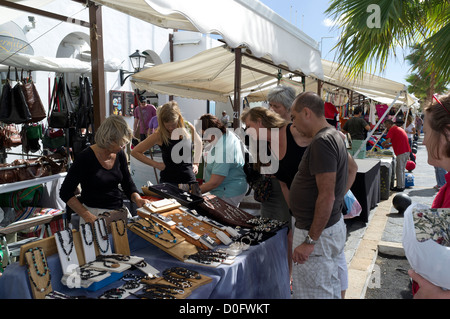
(137, 62)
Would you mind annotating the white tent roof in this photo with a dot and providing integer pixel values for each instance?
(240, 22)
(210, 75)
(207, 75)
(41, 63)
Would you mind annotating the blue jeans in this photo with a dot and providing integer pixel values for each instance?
(440, 176)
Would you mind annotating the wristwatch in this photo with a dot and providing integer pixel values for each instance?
(309, 240)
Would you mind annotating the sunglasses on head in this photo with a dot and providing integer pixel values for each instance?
(437, 100)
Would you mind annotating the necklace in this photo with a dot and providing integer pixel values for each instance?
(117, 228)
(86, 234)
(103, 236)
(151, 229)
(61, 241)
(43, 263)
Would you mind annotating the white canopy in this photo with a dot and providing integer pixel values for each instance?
(207, 75)
(240, 22)
(41, 63)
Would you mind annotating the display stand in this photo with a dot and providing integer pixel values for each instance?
(101, 237)
(87, 236)
(177, 250)
(65, 244)
(120, 237)
(38, 272)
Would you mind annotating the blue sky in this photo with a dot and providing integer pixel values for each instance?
(309, 17)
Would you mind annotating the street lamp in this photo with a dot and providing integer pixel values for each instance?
(137, 62)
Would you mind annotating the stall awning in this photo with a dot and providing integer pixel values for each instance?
(41, 63)
(208, 75)
(246, 23)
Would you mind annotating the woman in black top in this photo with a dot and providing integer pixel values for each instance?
(175, 138)
(99, 169)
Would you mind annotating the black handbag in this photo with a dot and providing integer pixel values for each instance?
(14, 107)
(62, 105)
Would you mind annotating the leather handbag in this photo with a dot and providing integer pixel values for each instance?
(8, 174)
(14, 108)
(10, 136)
(33, 99)
(62, 105)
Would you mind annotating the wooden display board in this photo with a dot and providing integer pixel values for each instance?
(187, 291)
(49, 246)
(177, 250)
(177, 217)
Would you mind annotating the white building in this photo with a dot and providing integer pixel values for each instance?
(122, 35)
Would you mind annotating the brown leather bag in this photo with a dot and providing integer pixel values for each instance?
(8, 174)
(10, 136)
(34, 101)
(114, 215)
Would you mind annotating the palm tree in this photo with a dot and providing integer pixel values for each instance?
(372, 31)
(425, 82)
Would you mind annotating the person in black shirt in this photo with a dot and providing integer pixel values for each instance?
(99, 170)
(175, 137)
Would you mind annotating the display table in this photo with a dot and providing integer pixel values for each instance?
(261, 272)
(366, 187)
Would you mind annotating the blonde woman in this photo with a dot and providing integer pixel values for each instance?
(99, 169)
(175, 137)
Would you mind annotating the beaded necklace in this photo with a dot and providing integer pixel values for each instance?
(151, 229)
(61, 241)
(117, 228)
(104, 237)
(85, 234)
(36, 268)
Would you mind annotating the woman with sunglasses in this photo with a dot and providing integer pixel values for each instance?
(436, 131)
(99, 170)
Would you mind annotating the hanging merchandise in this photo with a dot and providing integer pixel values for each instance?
(9, 136)
(33, 99)
(14, 107)
(84, 119)
(62, 107)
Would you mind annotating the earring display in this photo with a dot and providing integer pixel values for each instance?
(38, 272)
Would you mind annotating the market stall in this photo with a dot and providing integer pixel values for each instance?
(252, 265)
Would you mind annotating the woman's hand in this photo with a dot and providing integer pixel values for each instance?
(89, 218)
(138, 200)
(195, 168)
(159, 165)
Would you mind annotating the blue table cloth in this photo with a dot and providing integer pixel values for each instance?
(261, 272)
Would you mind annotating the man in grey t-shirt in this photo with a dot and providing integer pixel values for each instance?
(325, 174)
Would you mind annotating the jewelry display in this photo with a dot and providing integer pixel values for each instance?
(114, 293)
(208, 257)
(155, 229)
(38, 271)
(101, 236)
(266, 224)
(179, 276)
(87, 235)
(67, 250)
(221, 211)
(159, 291)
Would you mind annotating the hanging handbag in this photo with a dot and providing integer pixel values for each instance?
(33, 99)
(62, 105)
(14, 106)
(10, 136)
(8, 174)
(53, 139)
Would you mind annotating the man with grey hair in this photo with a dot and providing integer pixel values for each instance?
(280, 100)
(317, 192)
